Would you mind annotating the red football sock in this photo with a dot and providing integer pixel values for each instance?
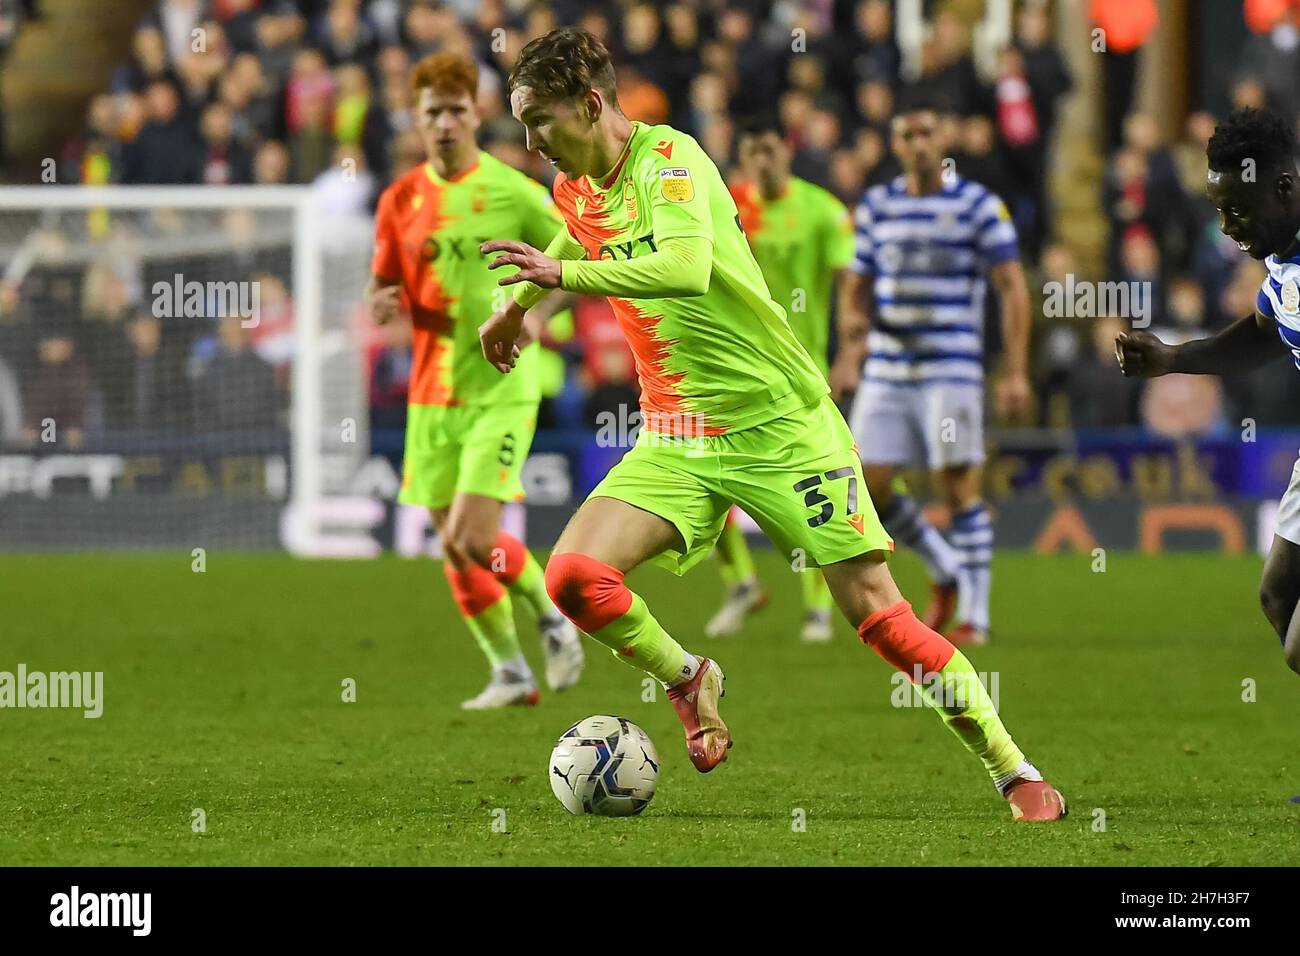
(474, 588)
(899, 637)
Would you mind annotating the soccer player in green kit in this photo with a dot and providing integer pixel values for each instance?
(802, 240)
(468, 430)
(734, 410)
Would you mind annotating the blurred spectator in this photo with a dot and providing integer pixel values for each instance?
(55, 400)
(868, 52)
(226, 161)
(978, 157)
(167, 149)
(310, 88)
(176, 21)
(358, 120)
(239, 19)
(346, 188)
(1126, 26)
(1099, 398)
(1272, 59)
(271, 164)
(345, 37)
(272, 334)
(1183, 406)
(154, 392)
(312, 147)
(948, 75)
(148, 62)
(640, 98)
(234, 389)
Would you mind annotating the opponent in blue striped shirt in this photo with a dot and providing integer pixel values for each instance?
(1254, 184)
(925, 244)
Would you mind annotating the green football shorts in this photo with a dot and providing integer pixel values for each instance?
(799, 477)
(469, 449)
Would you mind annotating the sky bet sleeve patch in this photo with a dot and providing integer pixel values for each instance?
(675, 184)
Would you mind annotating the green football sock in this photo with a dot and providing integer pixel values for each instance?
(494, 629)
(640, 640)
(530, 585)
(734, 559)
(965, 706)
(816, 595)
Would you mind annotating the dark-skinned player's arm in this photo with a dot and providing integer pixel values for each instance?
(1245, 345)
(852, 322)
(1012, 393)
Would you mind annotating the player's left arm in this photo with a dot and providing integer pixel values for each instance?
(1013, 393)
(998, 244)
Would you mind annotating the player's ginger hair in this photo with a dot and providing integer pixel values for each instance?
(446, 72)
(565, 64)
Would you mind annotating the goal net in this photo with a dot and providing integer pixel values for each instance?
(180, 368)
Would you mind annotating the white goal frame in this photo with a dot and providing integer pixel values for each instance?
(306, 422)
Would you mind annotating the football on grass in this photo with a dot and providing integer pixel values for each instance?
(604, 765)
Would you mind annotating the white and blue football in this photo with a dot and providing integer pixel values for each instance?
(604, 765)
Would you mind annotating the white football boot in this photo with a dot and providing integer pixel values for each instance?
(816, 626)
(742, 600)
(562, 644)
(506, 689)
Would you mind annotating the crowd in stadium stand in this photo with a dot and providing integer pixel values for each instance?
(294, 91)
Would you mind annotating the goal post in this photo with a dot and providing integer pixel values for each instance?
(225, 419)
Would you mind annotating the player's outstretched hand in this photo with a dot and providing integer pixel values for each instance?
(534, 265)
(501, 337)
(1142, 355)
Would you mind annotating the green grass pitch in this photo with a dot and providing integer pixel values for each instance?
(223, 692)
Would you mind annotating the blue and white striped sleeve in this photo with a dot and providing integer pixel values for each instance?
(1265, 302)
(995, 233)
(864, 246)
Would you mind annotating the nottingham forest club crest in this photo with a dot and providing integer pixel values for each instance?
(629, 201)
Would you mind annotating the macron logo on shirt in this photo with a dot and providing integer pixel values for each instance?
(665, 149)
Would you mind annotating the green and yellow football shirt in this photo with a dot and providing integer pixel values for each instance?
(799, 239)
(427, 236)
(708, 364)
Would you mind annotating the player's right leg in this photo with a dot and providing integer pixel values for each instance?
(866, 593)
(884, 421)
(801, 479)
(744, 592)
(644, 508)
